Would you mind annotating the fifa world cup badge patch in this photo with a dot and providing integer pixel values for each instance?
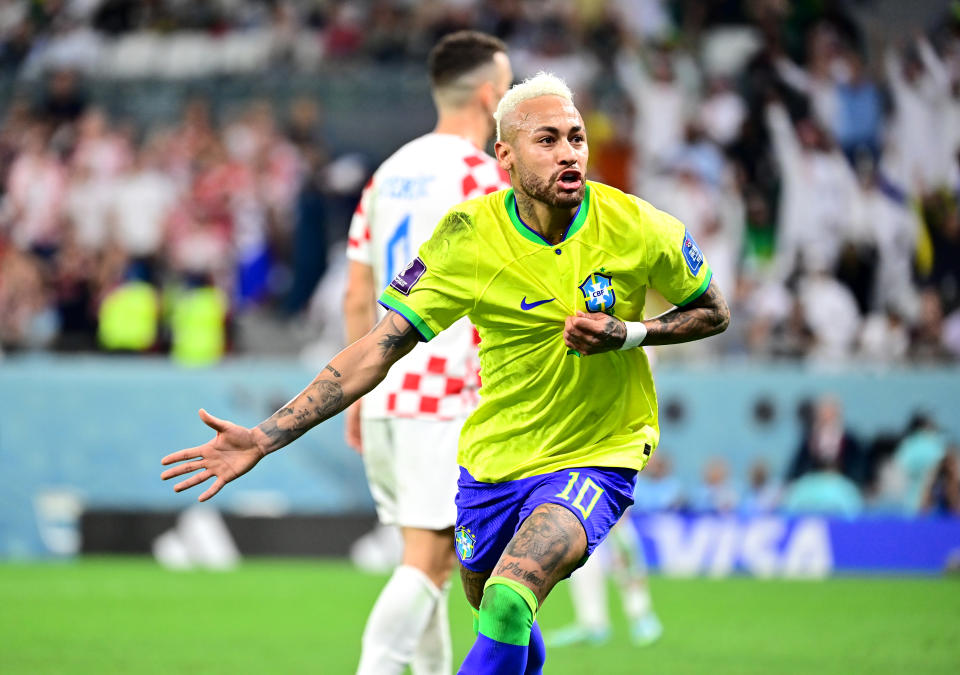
(465, 541)
(691, 253)
(598, 292)
(410, 275)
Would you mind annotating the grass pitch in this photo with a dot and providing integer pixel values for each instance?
(127, 615)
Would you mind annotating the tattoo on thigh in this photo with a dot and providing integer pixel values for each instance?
(544, 538)
(516, 570)
(473, 585)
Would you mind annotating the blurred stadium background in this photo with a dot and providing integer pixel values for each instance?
(176, 182)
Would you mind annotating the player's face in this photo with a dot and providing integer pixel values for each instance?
(546, 153)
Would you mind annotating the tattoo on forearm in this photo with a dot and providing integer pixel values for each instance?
(614, 334)
(603, 336)
(329, 399)
(324, 399)
(705, 316)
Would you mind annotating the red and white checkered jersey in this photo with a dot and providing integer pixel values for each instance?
(400, 207)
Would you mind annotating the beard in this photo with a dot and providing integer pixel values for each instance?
(547, 190)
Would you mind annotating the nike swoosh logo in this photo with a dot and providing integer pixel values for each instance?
(524, 305)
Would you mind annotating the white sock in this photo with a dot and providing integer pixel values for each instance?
(434, 655)
(397, 621)
(588, 590)
(630, 571)
(636, 600)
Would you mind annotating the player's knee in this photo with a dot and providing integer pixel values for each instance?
(507, 611)
(440, 573)
(436, 558)
(439, 568)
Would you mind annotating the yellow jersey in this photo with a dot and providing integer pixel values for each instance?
(543, 407)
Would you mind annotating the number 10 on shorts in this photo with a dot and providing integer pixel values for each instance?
(588, 488)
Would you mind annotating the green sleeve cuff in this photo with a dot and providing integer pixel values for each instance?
(390, 302)
(700, 291)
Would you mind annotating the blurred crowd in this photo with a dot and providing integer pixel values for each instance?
(141, 244)
(816, 164)
(833, 471)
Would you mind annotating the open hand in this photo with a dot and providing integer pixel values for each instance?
(229, 455)
(594, 333)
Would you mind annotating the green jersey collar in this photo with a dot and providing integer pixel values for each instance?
(510, 204)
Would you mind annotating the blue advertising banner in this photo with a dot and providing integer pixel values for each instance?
(805, 547)
(116, 417)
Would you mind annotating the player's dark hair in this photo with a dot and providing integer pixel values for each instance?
(459, 53)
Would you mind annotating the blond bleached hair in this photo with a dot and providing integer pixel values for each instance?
(541, 84)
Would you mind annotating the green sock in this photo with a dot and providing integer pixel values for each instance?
(508, 611)
(507, 614)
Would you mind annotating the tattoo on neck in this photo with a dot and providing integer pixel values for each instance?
(524, 205)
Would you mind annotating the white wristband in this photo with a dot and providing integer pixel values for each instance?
(636, 333)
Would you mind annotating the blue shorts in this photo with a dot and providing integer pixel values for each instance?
(489, 514)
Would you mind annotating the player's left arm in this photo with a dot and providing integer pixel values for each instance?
(707, 315)
(596, 332)
(674, 266)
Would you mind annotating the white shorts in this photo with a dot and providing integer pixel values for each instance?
(412, 470)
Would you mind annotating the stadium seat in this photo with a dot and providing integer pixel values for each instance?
(187, 55)
(134, 55)
(245, 52)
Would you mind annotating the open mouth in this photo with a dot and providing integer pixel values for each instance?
(570, 179)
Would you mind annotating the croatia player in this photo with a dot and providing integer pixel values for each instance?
(411, 422)
(553, 274)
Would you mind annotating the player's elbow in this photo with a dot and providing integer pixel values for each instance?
(718, 313)
(721, 318)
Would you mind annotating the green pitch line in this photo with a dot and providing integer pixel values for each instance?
(127, 615)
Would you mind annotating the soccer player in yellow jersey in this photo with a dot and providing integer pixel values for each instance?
(553, 274)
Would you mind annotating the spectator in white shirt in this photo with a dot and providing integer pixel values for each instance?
(36, 188)
(819, 205)
(920, 154)
(144, 198)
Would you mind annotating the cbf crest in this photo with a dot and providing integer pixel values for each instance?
(465, 541)
(598, 292)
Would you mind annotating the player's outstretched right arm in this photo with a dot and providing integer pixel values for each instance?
(349, 375)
